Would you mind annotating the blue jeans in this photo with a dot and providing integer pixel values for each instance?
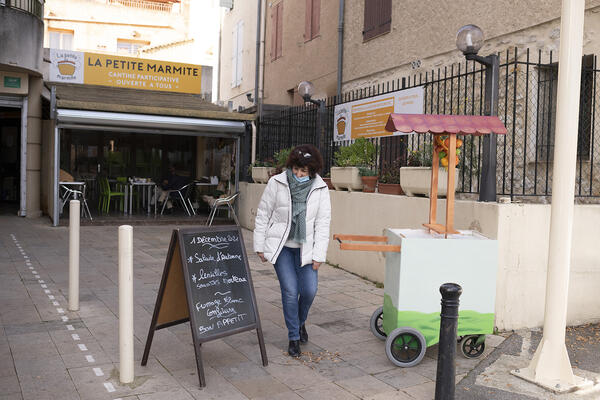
(298, 289)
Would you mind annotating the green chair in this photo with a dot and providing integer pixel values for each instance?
(106, 195)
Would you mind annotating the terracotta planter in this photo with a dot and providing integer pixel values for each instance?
(262, 174)
(329, 184)
(369, 183)
(417, 181)
(389, 188)
(346, 178)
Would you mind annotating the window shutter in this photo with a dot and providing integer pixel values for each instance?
(279, 29)
(369, 19)
(240, 48)
(274, 32)
(67, 43)
(316, 18)
(308, 20)
(54, 40)
(233, 64)
(385, 16)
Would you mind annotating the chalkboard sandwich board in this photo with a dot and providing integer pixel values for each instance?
(206, 280)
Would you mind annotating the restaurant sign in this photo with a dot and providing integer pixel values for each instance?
(367, 117)
(125, 72)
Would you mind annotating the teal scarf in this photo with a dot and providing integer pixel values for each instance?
(299, 192)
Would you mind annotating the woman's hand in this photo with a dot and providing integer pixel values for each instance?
(316, 265)
(261, 256)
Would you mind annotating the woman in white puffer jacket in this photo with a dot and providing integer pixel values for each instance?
(292, 232)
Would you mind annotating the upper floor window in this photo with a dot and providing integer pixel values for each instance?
(378, 18)
(60, 39)
(276, 30)
(312, 18)
(125, 46)
(237, 47)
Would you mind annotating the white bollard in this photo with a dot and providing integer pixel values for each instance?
(126, 303)
(74, 255)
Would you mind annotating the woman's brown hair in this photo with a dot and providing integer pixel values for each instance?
(306, 155)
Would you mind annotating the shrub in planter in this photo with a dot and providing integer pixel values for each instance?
(261, 171)
(345, 174)
(281, 159)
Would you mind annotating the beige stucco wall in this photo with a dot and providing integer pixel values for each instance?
(314, 61)
(505, 23)
(521, 230)
(242, 11)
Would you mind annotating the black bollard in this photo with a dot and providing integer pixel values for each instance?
(446, 371)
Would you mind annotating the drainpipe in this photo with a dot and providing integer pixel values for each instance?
(257, 72)
(340, 49)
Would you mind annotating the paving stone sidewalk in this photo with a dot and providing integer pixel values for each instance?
(47, 352)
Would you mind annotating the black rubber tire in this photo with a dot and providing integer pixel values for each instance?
(376, 324)
(469, 348)
(405, 347)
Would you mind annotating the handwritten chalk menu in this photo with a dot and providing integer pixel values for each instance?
(207, 281)
(220, 290)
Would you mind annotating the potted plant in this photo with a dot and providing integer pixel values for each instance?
(389, 180)
(415, 178)
(262, 171)
(346, 174)
(369, 179)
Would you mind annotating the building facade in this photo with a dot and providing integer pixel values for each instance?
(21, 107)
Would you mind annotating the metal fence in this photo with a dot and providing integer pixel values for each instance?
(526, 105)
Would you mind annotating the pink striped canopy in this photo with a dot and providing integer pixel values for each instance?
(440, 124)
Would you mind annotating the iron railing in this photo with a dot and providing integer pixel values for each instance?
(526, 105)
(144, 4)
(35, 7)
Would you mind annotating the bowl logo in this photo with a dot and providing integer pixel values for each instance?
(342, 125)
(66, 67)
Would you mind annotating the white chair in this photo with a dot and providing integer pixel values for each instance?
(178, 194)
(223, 202)
(75, 194)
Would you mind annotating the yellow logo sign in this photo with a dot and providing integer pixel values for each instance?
(126, 72)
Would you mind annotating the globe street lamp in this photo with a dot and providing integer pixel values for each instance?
(306, 90)
(469, 40)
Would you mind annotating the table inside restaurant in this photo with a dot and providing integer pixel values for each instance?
(144, 188)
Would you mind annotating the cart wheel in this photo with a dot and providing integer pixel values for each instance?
(405, 347)
(377, 324)
(470, 348)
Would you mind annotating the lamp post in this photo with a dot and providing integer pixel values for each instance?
(469, 40)
(306, 90)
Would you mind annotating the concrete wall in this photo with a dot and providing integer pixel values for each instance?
(314, 61)
(34, 147)
(21, 36)
(505, 23)
(521, 229)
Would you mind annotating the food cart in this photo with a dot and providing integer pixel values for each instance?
(419, 261)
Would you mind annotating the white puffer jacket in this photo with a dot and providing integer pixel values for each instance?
(274, 220)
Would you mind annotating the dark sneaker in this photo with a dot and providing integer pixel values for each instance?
(303, 334)
(294, 348)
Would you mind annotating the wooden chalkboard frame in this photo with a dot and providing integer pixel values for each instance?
(176, 263)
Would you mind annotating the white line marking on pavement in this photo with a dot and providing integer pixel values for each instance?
(42, 283)
(60, 310)
(25, 257)
(70, 328)
(47, 291)
(30, 267)
(75, 336)
(34, 272)
(82, 347)
(64, 318)
(109, 386)
(90, 359)
(55, 303)
(98, 371)
(44, 286)
(51, 297)
(37, 277)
